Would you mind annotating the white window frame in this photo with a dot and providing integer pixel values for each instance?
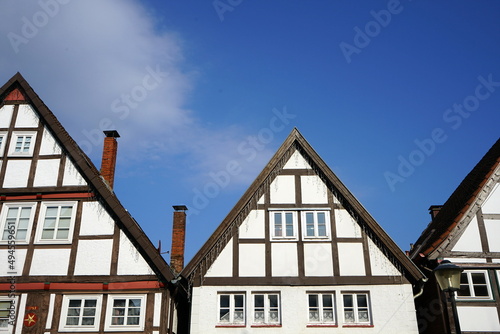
(232, 309)
(470, 283)
(266, 308)
(3, 140)
(80, 328)
(356, 308)
(4, 225)
(108, 326)
(321, 308)
(41, 222)
(272, 225)
(13, 142)
(315, 215)
(12, 315)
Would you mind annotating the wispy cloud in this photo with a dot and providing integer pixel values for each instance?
(106, 64)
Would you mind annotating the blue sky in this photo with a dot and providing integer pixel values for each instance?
(400, 98)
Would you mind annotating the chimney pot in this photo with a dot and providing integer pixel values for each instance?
(178, 238)
(109, 151)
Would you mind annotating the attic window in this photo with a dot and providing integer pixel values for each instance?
(283, 225)
(22, 143)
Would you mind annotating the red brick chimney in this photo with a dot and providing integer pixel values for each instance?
(178, 238)
(108, 162)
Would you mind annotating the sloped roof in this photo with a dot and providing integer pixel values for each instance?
(84, 165)
(295, 141)
(458, 203)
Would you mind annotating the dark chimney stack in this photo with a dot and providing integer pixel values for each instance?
(178, 238)
(434, 210)
(108, 162)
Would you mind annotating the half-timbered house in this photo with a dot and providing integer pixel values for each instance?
(466, 231)
(299, 254)
(72, 259)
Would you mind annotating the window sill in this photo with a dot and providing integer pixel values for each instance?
(322, 325)
(265, 325)
(231, 326)
(358, 325)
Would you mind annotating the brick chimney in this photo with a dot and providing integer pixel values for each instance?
(178, 238)
(434, 210)
(108, 162)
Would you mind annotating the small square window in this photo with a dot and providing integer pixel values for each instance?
(80, 313)
(356, 308)
(283, 225)
(56, 222)
(474, 284)
(126, 313)
(316, 224)
(16, 221)
(231, 309)
(321, 307)
(22, 143)
(266, 309)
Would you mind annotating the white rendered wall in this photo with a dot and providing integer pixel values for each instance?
(223, 265)
(253, 227)
(71, 176)
(346, 226)
(296, 161)
(252, 260)
(130, 261)
(95, 220)
(380, 265)
(49, 145)
(493, 233)
(314, 190)
(46, 173)
(6, 115)
(26, 117)
(20, 257)
(318, 259)
(492, 203)
(351, 259)
(50, 262)
(393, 310)
(16, 174)
(469, 241)
(93, 257)
(478, 319)
(282, 190)
(284, 260)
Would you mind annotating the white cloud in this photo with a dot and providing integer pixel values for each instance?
(104, 64)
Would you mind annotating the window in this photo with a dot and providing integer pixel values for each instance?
(316, 224)
(126, 312)
(2, 142)
(7, 314)
(474, 284)
(283, 225)
(22, 143)
(266, 309)
(56, 222)
(356, 309)
(80, 313)
(321, 308)
(231, 309)
(16, 221)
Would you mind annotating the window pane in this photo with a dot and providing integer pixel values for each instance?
(348, 301)
(478, 278)
(314, 314)
(278, 227)
(328, 315)
(349, 316)
(273, 316)
(51, 211)
(363, 316)
(273, 300)
(321, 224)
(481, 291)
(119, 321)
(62, 234)
(238, 316)
(259, 316)
(87, 312)
(73, 312)
(362, 301)
(133, 321)
(327, 301)
(47, 234)
(224, 300)
(313, 300)
(238, 301)
(88, 321)
(90, 303)
(64, 222)
(72, 321)
(259, 300)
(224, 315)
(12, 213)
(289, 224)
(134, 311)
(75, 303)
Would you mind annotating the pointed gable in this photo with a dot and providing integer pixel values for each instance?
(297, 219)
(455, 228)
(62, 166)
